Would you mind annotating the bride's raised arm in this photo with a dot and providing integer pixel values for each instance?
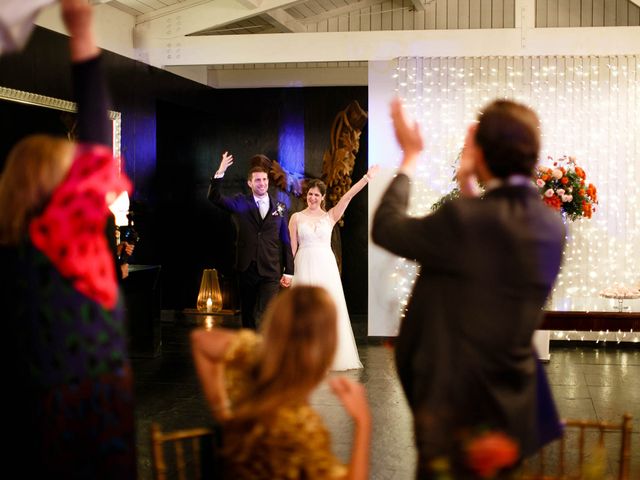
(338, 210)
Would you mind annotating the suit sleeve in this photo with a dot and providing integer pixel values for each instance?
(285, 242)
(215, 197)
(429, 240)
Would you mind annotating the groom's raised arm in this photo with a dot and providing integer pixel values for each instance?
(214, 195)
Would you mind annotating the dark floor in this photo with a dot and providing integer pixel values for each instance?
(589, 382)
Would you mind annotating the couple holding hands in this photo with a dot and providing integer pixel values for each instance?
(269, 249)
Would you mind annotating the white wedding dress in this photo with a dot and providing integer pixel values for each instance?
(315, 264)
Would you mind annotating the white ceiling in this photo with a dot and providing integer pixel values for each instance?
(324, 38)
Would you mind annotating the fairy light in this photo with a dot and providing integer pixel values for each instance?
(589, 108)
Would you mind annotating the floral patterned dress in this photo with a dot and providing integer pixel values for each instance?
(295, 444)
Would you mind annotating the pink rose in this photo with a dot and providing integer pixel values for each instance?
(549, 193)
(540, 182)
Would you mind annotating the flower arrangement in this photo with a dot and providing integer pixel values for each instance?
(491, 452)
(564, 188)
(486, 455)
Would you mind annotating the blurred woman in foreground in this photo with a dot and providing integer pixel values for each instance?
(258, 386)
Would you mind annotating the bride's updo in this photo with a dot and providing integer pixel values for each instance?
(316, 183)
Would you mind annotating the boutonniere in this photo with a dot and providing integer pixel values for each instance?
(279, 211)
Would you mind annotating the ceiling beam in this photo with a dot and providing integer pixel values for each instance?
(179, 7)
(327, 76)
(175, 20)
(336, 12)
(385, 45)
(418, 5)
(284, 21)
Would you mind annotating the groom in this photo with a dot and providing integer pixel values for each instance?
(464, 354)
(263, 249)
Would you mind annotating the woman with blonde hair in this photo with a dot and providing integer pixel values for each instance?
(258, 387)
(71, 402)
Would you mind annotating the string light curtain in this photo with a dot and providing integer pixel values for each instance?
(589, 108)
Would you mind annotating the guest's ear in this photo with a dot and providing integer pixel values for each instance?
(481, 169)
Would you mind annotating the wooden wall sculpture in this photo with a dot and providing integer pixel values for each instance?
(339, 159)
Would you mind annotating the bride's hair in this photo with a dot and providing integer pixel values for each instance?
(299, 342)
(316, 183)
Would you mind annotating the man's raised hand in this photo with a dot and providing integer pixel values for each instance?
(408, 136)
(226, 161)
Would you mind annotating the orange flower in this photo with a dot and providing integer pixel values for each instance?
(545, 177)
(491, 452)
(580, 172)
(553, 202)
(564, 180)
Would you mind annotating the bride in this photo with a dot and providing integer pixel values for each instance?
(315, 263)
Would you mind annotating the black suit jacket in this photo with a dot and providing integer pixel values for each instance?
(464, 351)
(265, 242)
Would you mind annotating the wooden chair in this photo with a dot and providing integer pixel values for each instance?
(569, 457)
(194, 454)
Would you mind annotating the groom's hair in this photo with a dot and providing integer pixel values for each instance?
(253, 170)
(509, 136)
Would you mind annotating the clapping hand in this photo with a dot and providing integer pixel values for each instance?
(77, 16)
(407, 133)
(353, 397)
(466, 174)
(226, 162)
(469, 153)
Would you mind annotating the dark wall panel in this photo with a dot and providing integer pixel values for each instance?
(249, 122)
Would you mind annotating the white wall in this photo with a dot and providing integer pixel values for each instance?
(115, 33)
(589, 108)
(384, 308)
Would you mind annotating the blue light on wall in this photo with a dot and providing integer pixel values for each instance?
(291, 137)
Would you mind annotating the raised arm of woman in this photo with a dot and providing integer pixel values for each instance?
(89, 85)
(208, 348)
(353, 397)
(338, 210)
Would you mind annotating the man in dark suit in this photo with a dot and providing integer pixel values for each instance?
(263, 249)
(464, 352)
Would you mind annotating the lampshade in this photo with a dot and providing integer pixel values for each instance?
(210, 296)
(120, 207)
